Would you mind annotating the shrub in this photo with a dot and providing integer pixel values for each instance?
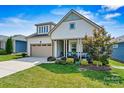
(104, 60)
(9, 46)
(97, 62)
(76, 59)
(51, 58)
(70, 60)
(84, 62)
(3, 52)
(63, 58)
(59, 61)
(24, 54)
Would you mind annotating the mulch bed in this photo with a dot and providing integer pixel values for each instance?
(94, 67)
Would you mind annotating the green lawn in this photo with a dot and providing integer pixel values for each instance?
(115, 63)
(9, 57)
(61, 76)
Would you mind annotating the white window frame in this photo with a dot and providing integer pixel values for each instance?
(71, 24)
(115, 46)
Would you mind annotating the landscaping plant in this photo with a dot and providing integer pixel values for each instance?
(51, 58)
(9, 46)
(2, 52)
(24, 54)
(99, 45)
(84, 62)
(70, 60)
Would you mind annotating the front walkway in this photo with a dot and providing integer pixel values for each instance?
(13, 66)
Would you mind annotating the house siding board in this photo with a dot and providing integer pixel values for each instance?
(118, 53)
(82, 28)
(21, 46)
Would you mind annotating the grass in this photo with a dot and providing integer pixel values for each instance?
(9, 57)
(61, 76)
(115, 63)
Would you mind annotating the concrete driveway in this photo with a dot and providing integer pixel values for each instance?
(13, 66)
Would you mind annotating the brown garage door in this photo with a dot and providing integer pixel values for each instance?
(44, 50)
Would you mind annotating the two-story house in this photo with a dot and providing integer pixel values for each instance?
(62, 38)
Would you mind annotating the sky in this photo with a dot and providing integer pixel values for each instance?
(20, 19)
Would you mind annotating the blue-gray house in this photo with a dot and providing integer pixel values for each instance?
(118, 49)
(19, 43)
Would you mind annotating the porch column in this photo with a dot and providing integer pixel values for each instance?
(80, 44)
(78, 48)
(55, 48)
(66, 48)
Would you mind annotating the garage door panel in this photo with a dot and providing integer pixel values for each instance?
(41, 51)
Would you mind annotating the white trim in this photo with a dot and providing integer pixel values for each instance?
(66, 48)
(78, 14)
(55, 48)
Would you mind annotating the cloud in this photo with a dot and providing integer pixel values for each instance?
(22, 23)
(62, 11)
(110, 16)
(16, 25)
(111, 7)
(107, 8)
(85, 13)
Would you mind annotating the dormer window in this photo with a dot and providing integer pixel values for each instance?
(43, 29)
(72, 25)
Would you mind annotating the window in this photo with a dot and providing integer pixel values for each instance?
(73, 47)
(43, 29)
(72, 25)
(40, 30)
(115, 46)
(46, 28)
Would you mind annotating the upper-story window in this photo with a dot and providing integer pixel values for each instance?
(46, 28)
(72, 25)
(43, 29)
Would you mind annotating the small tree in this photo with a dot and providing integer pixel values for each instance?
(9, 46)
(99, 45)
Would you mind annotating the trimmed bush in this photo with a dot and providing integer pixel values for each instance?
(59, 61)
(97, 62)
(3, 52)
(24, 54)
(63, 58)
(9, 46)
(84, 62)
(70, 60)
(51, 58)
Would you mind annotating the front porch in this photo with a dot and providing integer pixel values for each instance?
(68, 47)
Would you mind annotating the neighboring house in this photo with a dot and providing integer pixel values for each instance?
(63, 38)
(19, 43)
(3, 40)
(118, 49)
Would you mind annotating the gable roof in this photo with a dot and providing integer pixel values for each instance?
(36, 35)
(78, 14)
(2, 37)
(119, 39)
